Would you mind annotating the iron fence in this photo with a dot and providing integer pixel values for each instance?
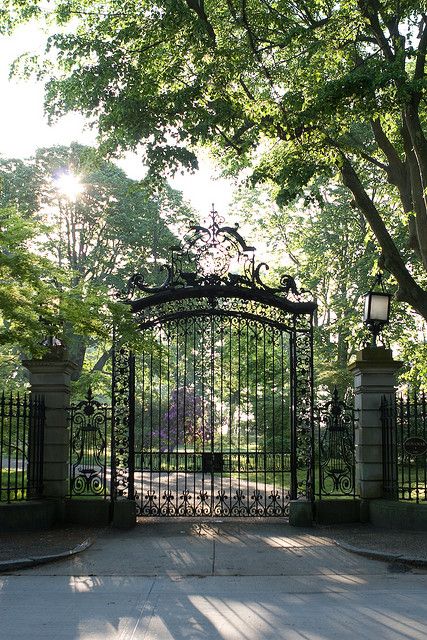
(254, 462)
(404, 432)
(21, 447)
(90, 453)
(335, 459)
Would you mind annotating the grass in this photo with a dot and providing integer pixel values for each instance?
(17, 483)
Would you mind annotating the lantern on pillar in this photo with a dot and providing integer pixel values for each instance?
(377, 307)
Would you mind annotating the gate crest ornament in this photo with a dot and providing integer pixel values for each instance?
(215, 255)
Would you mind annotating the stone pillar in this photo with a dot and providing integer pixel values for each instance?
(52, 380)
(374, 377)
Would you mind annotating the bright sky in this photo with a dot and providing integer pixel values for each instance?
(24, 128)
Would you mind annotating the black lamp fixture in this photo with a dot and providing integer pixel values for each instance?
(377, 307)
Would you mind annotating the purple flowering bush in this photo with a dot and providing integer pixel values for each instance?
(186, 422)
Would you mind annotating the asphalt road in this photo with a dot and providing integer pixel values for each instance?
(234, 580)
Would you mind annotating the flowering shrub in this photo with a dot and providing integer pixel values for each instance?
(186, 423)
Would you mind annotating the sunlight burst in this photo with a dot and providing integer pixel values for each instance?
(69, 185)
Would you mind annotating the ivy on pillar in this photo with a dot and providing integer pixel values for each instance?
(51, 378)
(374, 373)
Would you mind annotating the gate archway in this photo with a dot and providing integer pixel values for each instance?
(214, 416)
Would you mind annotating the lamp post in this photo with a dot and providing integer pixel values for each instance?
(377, 308)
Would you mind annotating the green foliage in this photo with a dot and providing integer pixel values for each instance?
(291, 92)
(27, 290)
(414, 356)
(13, 12)
(64, 258)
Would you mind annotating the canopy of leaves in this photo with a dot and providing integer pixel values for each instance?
(323, 87)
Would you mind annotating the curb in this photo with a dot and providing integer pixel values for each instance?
(24, 563)
(382, 555)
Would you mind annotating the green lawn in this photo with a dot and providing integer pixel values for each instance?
(11, 480)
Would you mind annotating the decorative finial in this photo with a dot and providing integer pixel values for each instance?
(215, 222)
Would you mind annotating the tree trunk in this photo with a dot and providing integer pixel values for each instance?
(409, 291)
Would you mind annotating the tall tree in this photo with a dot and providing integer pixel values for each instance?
(308, 88)
(99, 228)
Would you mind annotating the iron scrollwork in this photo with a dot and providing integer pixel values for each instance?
(89, 421)
(215, 255)
(336, 448)
(302, 384)
(122, 437)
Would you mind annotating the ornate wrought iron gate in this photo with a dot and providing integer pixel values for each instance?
(213, 415)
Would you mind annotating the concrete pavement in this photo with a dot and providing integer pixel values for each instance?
(236, 547)
(231, 580)
(232, 608)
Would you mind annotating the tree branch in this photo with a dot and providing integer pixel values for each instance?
(419, 148)
(253, 45)
(421, 55)
(416, 189)
(384, 143)
(147, 47)
(397, 171)
(232, 10)
(229, 141)
(246, 89)
(409, 290)
(368, 11)
(373, 161)
(198, 6)
(102, 361)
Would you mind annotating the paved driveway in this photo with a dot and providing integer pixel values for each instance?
(234, 580)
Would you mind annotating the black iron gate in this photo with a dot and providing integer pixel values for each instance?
(404, 443)
(214, 414)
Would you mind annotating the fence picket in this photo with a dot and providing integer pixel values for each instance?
(21, 447)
